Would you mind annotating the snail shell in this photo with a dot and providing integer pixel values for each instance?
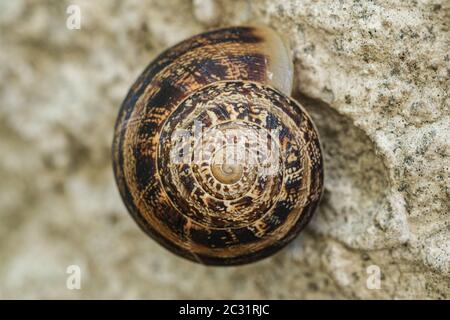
(185, 190)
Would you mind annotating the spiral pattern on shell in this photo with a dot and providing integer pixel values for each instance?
(213, 160)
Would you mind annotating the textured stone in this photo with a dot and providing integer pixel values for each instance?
(373, 74)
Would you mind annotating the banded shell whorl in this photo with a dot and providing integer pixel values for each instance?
(212, 158)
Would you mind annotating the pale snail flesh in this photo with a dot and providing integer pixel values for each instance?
(210, 209)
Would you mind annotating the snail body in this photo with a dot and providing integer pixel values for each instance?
(211, 156)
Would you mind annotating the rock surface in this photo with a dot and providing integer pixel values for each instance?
(374, 76)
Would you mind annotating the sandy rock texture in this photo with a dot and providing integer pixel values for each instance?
(374, 76)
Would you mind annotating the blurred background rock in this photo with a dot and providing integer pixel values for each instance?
(373, 74)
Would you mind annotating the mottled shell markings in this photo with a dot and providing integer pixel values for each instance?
(212, 157)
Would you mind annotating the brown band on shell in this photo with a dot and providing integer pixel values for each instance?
(182, 206)
(208, 211)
